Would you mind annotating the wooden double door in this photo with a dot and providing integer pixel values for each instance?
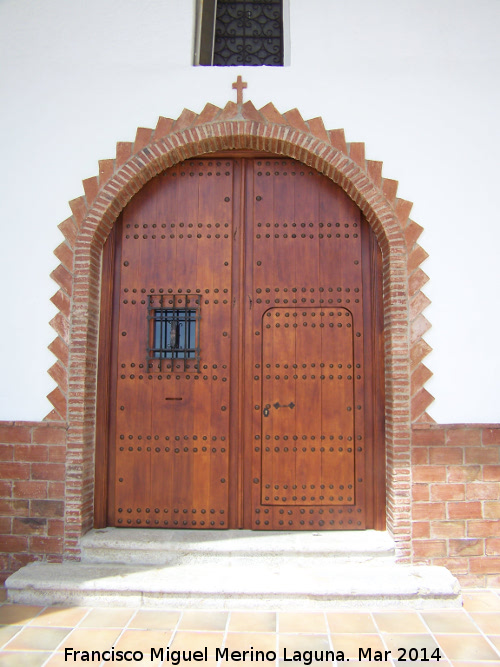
(241, 369)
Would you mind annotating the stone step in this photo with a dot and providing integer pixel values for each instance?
(236, 585)
(163, 547)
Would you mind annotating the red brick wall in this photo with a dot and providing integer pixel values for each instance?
(32, 489)
(455, 504)
(456, 500)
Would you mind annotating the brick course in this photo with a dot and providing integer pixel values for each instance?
(467, 517)
(455, 521)
(31, 521)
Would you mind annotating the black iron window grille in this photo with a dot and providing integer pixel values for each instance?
(173, 321)
(241, 33)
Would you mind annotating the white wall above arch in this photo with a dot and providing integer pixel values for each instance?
(416, 81)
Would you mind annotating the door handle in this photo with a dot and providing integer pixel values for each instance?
(277, 405)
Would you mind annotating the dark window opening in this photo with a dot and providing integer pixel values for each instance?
(241, 33)
(173, 332)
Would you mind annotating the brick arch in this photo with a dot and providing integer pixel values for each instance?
(236, 127)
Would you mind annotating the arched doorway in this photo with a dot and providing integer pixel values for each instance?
(81, 387)
(246, 376)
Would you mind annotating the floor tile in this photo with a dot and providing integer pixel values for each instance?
(449, 621)
(7, 632)
(481, 600)
(343, 622)
(196, 641)
(107, 618)
(91, 639)
(489, 622)
(262, 663)
(243, 641)
(152, 619)
(202, 620)
(17, 614)
(442, 662)
(401, 644)
(252, 621)
(57, 660)
(144, 641)
(424, 663)
(301, 642)
(37, 639)
(352, 644)
(297, 622)
(469, 647)
(399, 621)
(60, 617)
(34, 632)
(21, 659)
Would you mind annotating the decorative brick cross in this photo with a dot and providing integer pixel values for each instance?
(239, 85)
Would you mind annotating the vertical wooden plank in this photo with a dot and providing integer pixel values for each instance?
(106, 379)
(260, 265)
(253, 513)
(159, 287)
(306, 229)
(239, 363)
(278, 470)
(373, 441)
(134, 390)
(221, 209)
(201, 405)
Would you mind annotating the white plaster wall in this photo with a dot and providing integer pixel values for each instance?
(416, 80)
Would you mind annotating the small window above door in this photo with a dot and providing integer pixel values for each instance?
(245, 33)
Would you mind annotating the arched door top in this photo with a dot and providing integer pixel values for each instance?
(237, 127)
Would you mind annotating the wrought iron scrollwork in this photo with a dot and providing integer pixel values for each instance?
(249, 33)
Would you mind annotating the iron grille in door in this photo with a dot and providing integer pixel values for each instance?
(173, 321)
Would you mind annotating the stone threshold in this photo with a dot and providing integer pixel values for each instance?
(161, 547)
(235, 570)
(235, 586)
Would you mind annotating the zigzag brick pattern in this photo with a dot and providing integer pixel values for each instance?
(215, 129)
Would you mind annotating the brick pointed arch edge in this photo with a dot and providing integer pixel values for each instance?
(215, 129)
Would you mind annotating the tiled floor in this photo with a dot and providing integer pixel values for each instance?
(37, 636)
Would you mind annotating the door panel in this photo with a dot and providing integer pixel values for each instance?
(307, 398)
(170, 429)
(245, 353)
(308, 327)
